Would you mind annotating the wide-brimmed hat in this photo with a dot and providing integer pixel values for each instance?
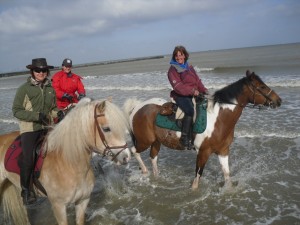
(39, 63)
(67, 62)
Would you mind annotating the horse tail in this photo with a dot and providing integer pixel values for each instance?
(12, 204)
(128, 108)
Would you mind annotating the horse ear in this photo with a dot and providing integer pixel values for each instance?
(248, 73)
(101, 106)
(109, 99)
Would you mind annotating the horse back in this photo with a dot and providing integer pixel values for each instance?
(5, 142)
(143, 124)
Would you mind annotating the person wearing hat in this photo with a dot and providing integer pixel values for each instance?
(35, 107)
(68, 86)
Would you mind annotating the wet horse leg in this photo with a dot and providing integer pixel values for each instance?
(60, 213)
(223, 159)
(155, 147)
(202, 158)
(140, 161)
(80, 211)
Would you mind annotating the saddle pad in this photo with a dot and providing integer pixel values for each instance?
(199, 125)
(13, 154)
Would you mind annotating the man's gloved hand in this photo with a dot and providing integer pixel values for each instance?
(68, 97)
(43, 118)
(60, 115)
(80, 96)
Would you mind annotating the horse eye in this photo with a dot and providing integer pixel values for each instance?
(106, 129)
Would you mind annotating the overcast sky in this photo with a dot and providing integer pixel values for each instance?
(100, 30)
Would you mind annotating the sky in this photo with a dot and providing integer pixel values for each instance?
(101, 30)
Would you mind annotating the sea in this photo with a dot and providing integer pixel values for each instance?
(264, 156)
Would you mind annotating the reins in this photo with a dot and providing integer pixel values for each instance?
(108, 150)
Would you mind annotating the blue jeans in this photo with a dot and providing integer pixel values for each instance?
(186, 104)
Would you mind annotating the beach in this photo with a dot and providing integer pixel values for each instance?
(264, 157)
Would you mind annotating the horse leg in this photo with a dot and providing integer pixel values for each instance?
(225, 168)
(80, 211)
(60, 213)
(202, 158)
(141, 162)
(155, 147)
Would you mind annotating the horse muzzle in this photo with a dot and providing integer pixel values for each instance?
(275, 103)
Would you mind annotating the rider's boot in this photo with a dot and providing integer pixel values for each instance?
(185, 138)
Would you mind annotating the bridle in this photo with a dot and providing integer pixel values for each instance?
(254, 89)
(108, 150)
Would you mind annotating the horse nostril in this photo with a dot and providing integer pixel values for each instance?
(279, 102)
(125, 160)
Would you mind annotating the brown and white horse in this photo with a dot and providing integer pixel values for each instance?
(224, 109)
(67, 176)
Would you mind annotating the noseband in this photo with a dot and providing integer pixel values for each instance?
(254, 88)
(108, 150)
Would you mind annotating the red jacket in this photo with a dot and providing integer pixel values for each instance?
(185, 83)
(62, 83)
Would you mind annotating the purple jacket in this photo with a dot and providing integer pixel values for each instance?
(184, 83)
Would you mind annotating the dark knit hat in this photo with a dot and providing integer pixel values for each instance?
(67, 63)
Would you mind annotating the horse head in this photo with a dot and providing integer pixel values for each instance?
(111, 129)
(260, 93)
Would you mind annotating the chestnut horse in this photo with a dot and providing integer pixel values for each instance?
(67, 176)
(224, 108)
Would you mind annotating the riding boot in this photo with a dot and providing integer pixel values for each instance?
(27, 192)
(190, 136)
(185, 138)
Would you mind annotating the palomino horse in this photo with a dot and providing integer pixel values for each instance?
(67, 176)
(223, 111)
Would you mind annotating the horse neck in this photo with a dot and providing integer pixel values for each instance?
(229, 114)
(75, 161)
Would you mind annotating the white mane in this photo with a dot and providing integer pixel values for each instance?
(75, 134)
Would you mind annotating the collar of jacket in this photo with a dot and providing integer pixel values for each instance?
(33, 82)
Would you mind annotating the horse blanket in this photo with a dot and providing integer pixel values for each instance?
(13, 155)
(170, 122)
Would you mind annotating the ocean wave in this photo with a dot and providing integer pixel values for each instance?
(275, 135)
(9, 121)
(199, 69)
(133, 88)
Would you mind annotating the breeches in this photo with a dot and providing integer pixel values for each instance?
(29, 141)
(186, 105)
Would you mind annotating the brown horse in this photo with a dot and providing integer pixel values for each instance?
(67, 176)
(223, 111)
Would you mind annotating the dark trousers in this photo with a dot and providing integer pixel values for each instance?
(186, 105)
(29, 141)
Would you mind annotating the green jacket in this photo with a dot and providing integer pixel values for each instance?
(31, 99)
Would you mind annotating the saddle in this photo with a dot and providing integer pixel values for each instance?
(170, 116)
(13, 156)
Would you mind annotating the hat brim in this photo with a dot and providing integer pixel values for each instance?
(41, 67)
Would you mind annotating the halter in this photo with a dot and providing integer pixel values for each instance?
(108, 149)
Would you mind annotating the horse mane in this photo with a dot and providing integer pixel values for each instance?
(75, 134)
(229, 93)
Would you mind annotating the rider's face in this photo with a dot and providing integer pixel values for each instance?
(180, 57)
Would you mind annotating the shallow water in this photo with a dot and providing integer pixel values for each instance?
(264, 157)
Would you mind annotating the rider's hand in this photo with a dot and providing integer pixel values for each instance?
(43, 118)
(196, 93)
(68, 97)
(80, 96)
